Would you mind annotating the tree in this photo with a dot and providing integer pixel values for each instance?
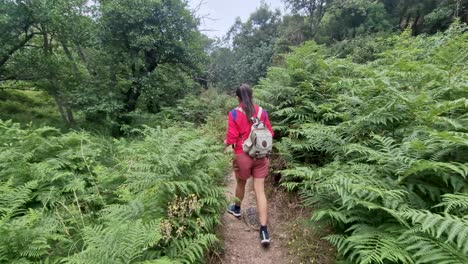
(140, 36)
(350, 18)
(313, 9)
(294, 31)
(221, 71)
(427, 16)
(15, 26)
(100, 58)
(37, 46)
(252, 46)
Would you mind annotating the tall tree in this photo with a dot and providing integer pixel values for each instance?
(142, 35)
(293, 31)
(253, 44)
(36, 46)
(350, 18)
(428, 16)
(314, 10)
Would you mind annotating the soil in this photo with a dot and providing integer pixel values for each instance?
(241, 236)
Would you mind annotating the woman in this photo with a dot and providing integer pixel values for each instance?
(239, 126)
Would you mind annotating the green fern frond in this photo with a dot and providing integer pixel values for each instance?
(378, 244)
(190, 250)
(431, 250)
(426, 165)
(448, 228)
(454, 201)
(163, 260)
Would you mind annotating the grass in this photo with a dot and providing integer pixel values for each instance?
(29, 107)
(34, 108)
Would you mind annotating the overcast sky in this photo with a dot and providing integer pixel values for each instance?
(222, 13)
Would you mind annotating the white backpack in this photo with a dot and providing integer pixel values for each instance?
(260, 142)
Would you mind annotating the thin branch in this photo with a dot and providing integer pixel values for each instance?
(197, 8)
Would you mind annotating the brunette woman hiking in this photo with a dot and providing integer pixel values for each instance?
(250, 161)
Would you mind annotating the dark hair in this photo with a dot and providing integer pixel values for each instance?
(244, 92)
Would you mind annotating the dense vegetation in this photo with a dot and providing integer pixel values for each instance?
(104, 60)
(379, 147)
(118, 111)
(250, 47)
(83, 199)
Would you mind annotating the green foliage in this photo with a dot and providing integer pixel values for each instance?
(77, 198)
(347, 19)
(207, 110)
(26, 106)
(378, 145)
(252, 48)
(143, 36)
(293, 31)
(362, 49)
(329, 21)
(100, 58)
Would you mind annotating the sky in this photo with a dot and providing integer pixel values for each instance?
(221, 14)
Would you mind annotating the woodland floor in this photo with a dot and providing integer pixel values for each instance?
(291, 240)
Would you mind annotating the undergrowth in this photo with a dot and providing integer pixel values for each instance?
(79, 198)
(378, 147)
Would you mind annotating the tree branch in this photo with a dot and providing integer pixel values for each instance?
(18, 46)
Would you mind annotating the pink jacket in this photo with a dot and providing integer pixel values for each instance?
(239, 127)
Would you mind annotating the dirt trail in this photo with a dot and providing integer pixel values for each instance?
(241, 241)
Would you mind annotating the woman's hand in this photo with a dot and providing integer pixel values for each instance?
(227, 148)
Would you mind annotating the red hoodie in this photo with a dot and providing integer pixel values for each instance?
(239, 127)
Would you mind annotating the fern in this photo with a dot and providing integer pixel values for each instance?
(428, 249)
(379, 149)
(448, 227)
(191, 250)
(457, 201)
(77, 198)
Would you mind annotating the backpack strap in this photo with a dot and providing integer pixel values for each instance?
(234, 114)
(259, 114)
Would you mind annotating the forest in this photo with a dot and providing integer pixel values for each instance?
(113, 114)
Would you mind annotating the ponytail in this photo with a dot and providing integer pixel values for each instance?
(244, 92)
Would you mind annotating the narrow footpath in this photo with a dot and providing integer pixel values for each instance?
(241, 236)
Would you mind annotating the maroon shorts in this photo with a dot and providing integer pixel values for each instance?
(245, 166)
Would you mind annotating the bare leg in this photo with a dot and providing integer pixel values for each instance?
(259, 187)
(240, 190)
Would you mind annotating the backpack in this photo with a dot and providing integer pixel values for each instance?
(259, 143)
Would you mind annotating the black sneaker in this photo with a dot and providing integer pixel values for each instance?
(264, 237)
(234, 211)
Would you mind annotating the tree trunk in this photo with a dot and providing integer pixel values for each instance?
(70, 57)
(65, 110)
(415, 25)
(70, 117)
(84, 59)
(61, 109)
(132, 95)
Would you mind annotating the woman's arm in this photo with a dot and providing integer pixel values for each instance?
(232, 133)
